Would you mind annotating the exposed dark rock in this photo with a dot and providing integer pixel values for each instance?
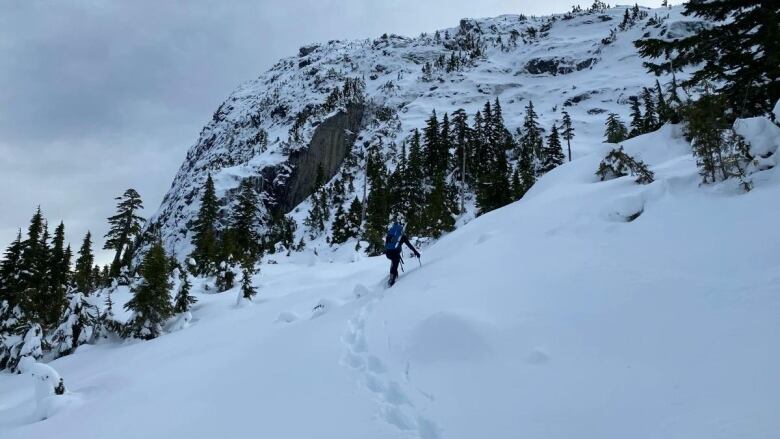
(556, 66)
(576, 99)
(292, 182)
(306, 50)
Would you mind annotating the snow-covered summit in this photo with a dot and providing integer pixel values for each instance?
(582, 62)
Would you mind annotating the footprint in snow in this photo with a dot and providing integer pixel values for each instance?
(286, 317)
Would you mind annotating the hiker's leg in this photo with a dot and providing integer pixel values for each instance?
(394, 265)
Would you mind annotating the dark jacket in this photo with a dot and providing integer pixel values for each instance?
(396, 252)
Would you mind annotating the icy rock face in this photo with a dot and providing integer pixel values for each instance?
(278, 129)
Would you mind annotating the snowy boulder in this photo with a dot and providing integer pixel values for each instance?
(447, 337)
(50, 394)
(624, 209)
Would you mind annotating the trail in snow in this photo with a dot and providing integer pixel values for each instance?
(395, 406)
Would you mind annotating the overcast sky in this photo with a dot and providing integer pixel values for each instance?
(98, 96)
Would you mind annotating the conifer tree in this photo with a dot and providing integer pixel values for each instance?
(720, 153)
(531, 136)
(553, 153)
(33, 277)
(97, 278)
(498, 132)
(739, 51)
(461, 138)
(432, 145)
(340, 232)
(415, 186)
(568, 131)
(151, 302)
(55, 299)
(105, 275)
(76, 326)
(183, 300)
(82, 275)
(649, 119)
(246, 220)
(124, 226)
(674, 103)
(377, 211)
(31, 345)
(315, 220)
(493, 189)
(526, 170)
(354, 217)
(226, 275)
(281, 233)
(444, 146)
(516, 184)
(616, 131)
(10, 273)
(248, 290)
(440, 208)
(637, 121)
(399, 187)
(205, 230)
(228, 250)
(663, 109)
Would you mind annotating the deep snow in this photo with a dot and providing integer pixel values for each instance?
(553, 317)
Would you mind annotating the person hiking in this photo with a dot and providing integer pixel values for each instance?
(393, 241)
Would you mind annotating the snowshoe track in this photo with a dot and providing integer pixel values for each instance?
(395, 407)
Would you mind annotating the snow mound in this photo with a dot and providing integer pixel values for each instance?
(447, 336)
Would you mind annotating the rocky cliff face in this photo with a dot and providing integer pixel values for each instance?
(278, 129)
(329, 145)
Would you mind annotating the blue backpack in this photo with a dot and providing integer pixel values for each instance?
(393, 238)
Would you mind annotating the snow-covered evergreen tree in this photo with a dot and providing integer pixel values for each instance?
(82, 275)
(568, 131)
(553, 153)
(246, 220)
(30, 345)
(124, 227)
(10, 273)
(649, 118)
(618, 164)
(616, 131)
(183, 300)
(204, 237)
(531, 136)
(77, 325)
(637, 121)
(151, 302)
(248, 290)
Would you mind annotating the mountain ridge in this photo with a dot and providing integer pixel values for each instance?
(547, 60)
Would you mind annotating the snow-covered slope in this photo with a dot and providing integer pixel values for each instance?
(582, 63)
(553, 317)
